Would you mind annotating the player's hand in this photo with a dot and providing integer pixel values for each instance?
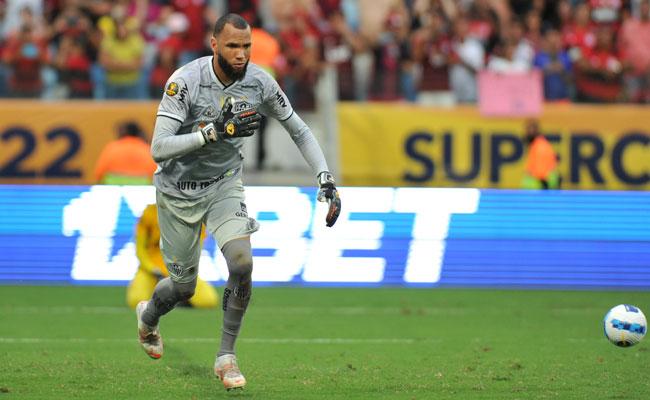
(327, 192)
(241, 124)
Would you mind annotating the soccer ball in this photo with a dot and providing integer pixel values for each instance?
(625, 325)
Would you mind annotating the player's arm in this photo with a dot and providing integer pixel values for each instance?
(277, 105)
(311, 151)
(168, 143)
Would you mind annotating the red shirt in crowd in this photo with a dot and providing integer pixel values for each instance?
(595, 86)
(194, 11)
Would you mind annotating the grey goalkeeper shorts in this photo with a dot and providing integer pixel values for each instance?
(223, 210)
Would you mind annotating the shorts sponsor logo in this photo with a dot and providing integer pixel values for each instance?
(244, 212)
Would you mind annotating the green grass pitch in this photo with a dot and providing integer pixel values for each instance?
(312, 343)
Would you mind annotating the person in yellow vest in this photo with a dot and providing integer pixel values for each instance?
(541, 165)
(152, 267)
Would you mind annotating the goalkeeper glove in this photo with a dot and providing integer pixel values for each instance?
(327, 192)
(230, 125)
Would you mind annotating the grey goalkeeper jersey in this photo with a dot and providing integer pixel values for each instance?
(194, 97)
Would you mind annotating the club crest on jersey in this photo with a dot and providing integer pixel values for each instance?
(172, 89)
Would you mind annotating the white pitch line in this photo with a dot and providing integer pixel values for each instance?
(280, 310)
(15, 340)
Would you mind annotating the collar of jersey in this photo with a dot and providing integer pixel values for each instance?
(216, 78)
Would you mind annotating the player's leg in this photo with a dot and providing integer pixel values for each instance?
(140, 288)
(228, 221)
(237, 293)
(205, 295)
(236, 296)
(180, 245)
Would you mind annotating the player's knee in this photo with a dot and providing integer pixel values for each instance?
(239, 258)
(241, 265)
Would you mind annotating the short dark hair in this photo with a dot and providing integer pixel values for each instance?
(235, 20)
(130, 128)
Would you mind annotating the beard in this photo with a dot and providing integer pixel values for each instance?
(229, 70)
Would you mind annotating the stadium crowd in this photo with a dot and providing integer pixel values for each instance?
(588, 51)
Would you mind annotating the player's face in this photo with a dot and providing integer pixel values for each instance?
(232, 48)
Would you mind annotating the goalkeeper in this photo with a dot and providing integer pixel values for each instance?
(152, 268)
(209, 108)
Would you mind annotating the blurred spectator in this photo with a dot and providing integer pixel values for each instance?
(504, 61)
(606, 11)
(198, 14)
(599, 72)
(541, 164)
(533, 26)
(165, 65)
(483, 23)
(126, 160)
(392, 75)
(431, 47)
(563, 14)
(74, 68)
(246, 8)
(555, 64)
(300, 44)
(523, 52)
(382, 49)
(466, 59)
(340, 46)
(121, 56)
(16, 10)
(634, 44)
(579, 37)
(25, 56)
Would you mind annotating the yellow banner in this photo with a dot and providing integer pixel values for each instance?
(58, 142)
(600, 147)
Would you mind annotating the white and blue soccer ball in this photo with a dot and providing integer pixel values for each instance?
(625, 325)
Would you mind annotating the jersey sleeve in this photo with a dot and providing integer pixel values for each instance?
(176, 99)
(275, 103)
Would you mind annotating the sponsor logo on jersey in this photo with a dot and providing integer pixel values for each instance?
(210, 112)
(280, 99)
(172, 89)
(184, 92)
(241, 106)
